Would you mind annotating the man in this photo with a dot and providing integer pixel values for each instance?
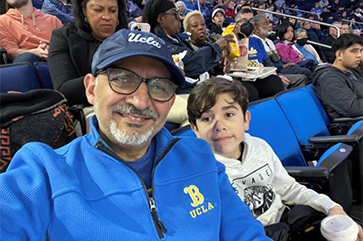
(333, 34)
(26, 31)
(295, 75)
(257, 57)
(326, 15)
(340, 86)
(129, 179)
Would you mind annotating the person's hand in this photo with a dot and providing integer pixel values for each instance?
(138, 19)
(224, 42)
(285, 80)
(225, 64)
(143, 2)
(42, 50)
(338, 210)
(288, 64)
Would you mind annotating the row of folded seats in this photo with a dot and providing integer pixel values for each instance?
(323, 154)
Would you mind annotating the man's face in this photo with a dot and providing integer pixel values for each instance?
(17, 3)
(264, 28)
(129, 122)
(223, 126)
(333, 31)
(169, 22)
(344, 29)
(197, 28)
(351, 57)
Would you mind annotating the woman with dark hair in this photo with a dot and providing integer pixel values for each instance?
(73, 46)
(285, 35)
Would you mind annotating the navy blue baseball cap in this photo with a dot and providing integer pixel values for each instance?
(127, 43)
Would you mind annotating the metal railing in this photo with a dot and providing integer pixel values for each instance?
(298, 10)
(303, 19)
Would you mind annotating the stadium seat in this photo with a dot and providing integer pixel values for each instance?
(269, 123)
(42, 71)
(313, 134)
(19, 77)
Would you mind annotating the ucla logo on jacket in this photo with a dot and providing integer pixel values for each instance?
(199, 207)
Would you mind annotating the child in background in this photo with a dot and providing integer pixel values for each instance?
(217, 110)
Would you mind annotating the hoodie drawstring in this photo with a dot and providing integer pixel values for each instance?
(34, 22)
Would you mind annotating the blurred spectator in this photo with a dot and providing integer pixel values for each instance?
(190, 4)
(337, 6)
(279, 3)
(323, 3)
(26, 31)
(315, 28)
(295, 74)
(228, 6)
(303, 48)
(257, 57)
(62, 9)
(271, 8)
(164, 23)
(72, 47)
(194, 23)
(329, 39)
(326, 15)
(205, 8)
(217, 20)
(344, 28)
(285, 33)
(318, 9)
(182, 11)
(135, 12)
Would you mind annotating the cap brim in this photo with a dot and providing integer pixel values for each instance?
(177, 75)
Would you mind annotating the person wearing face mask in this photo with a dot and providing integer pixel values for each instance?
(257, 57)
(303, 48)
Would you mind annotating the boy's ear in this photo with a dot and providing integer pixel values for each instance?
(195, 129)
(247, 120)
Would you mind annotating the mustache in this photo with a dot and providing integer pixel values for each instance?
(128, 109)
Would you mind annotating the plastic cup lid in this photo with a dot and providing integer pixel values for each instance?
(339, 228)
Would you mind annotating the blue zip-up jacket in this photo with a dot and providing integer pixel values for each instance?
(84, 191)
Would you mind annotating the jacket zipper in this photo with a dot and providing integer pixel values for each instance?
(159, 226)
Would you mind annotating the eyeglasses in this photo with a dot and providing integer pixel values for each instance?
(177, 13)
(126, 82)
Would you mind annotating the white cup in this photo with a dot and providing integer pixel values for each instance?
(339, 228)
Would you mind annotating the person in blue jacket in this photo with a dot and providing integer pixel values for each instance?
(62, 9)
(129, 179)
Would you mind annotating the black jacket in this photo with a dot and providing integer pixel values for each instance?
(340, 94)
(195, 62)
(70, 59)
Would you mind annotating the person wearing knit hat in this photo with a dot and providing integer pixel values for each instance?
(165, 23)
(218, 17)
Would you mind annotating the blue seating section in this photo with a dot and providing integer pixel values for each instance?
(22, 77)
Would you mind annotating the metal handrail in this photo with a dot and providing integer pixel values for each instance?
(299, 18)
(303, 11)
(346, 20)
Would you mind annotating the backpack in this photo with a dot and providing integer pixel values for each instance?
(39, 115)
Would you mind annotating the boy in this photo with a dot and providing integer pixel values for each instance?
(217, 110)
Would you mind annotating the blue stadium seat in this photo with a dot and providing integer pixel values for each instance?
(42, 71)
(313, 134)
(19, 77)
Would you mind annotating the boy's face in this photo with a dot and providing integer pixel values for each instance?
(223, 126)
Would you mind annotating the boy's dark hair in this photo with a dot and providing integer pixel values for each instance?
(204, 96)
(345, 41)
(282, 29)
